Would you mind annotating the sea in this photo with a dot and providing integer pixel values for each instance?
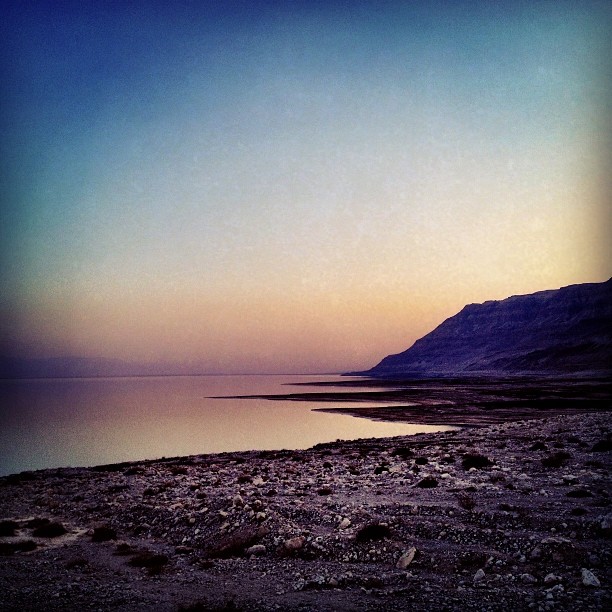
(49, 423)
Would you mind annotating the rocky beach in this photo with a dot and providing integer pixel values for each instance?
(510, 516)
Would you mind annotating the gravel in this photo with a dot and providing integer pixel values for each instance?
(504, 527)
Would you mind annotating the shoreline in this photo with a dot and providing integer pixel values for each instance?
(444, 415)
(389, 523)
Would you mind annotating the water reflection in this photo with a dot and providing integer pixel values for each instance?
(61, 422)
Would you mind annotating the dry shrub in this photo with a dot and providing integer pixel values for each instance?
(475, 460)
(373, 532)
(467, 502)
(556, 460)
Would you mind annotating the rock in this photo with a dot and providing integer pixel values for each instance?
(528, 579)
(295, 543)
(536, 553)
(344, 523)
(406, 559)
(589, 579)
(256, 551)
(237, 500)
(556, 590)
(551, 578)
(479, 575)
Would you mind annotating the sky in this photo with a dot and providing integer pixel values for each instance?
(292, 187)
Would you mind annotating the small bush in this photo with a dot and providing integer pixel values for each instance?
(474, 460)
(578, 511)
(132, 471)
(402, 451)
(7, 528)
(579, 493)
(603, 446)
(179, 470)
(538, 446)
(201, 606)
(427, 483)
(103, 534)
(150, 561)
(373, 532)
(467, 502)
(556, 460)
(49, 530)
(10, 548)
(470, 560)
(123, 549)
(78, 562)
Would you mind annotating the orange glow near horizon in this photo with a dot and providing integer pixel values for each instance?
(301, 193)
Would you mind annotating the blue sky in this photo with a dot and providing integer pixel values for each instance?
(293, 186)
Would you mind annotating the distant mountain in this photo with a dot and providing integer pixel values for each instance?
(567, 330)
(80, 367)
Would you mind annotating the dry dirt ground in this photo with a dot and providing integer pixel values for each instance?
(513, 516)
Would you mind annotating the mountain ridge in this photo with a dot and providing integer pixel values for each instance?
(566, 330)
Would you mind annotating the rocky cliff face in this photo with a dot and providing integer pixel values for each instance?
(568, 330)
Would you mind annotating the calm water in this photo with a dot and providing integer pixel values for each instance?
(84, 422)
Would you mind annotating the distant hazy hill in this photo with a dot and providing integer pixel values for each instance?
(77, 367)
(567, 330)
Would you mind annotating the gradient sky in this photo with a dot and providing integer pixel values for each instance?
(293, 186)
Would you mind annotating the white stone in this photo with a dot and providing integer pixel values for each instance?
(295, 543)
(550, 578)
(589, 578)
(406, 559)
